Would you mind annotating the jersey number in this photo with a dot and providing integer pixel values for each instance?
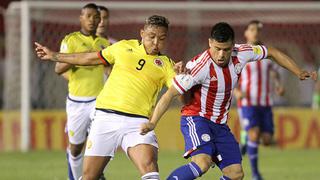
(141, 63)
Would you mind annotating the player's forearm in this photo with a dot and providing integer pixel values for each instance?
(61, 68)
(77, 58)
(163, 104)
(284, 60)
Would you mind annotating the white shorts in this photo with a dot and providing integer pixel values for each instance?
(79, 116)
(109, 131)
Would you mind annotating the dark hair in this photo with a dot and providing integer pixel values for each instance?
(222, 32)
(156, 20)
(90, 6)
(255, 22)
(103, 8)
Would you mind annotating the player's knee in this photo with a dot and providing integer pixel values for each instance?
(253, 135)
(75, 150)
(267, 140)
(234, 172)
(203, 161)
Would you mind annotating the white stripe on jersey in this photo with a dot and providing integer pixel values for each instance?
(256, 86)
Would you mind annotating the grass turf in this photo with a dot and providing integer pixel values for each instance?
(275, 164)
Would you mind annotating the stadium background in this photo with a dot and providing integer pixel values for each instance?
(297, 126)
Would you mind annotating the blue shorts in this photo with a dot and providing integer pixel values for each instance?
(203, 136)
(255, 116)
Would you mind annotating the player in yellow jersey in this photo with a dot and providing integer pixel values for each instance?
(84, 85)
(139, 72)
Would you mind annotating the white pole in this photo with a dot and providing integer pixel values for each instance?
(25, 70)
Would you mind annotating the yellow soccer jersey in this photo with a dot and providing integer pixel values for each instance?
(84, 81)
(135, 80)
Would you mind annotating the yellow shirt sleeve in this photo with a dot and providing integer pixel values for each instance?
(169, 74)
(107, 54)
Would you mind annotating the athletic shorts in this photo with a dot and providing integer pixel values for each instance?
(111, 130)
(79, 115)
(203, 136)
(257, 116)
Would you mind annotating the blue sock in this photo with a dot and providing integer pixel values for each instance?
(253, 156)
(70, 175)
(224, 178)
(187, 172)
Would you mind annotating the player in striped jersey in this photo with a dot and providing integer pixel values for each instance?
(139, 73)
(255, 100)
(84, 85)
(214, 75)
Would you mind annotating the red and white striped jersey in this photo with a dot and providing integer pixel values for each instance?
(211, 85)
(254, 82)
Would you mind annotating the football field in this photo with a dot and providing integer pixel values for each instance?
(275, 164)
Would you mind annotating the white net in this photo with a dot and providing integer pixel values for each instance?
(294, 29)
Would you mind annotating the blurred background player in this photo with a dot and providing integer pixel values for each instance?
(214, 75)
(140, 71)
(254, 96)
(316, 94)
(84, 85)
(103, 26)
(102, 31)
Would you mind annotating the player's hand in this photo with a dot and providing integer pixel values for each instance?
(43, 52)
(314, 75)
(146, 127)
(180, 68)
(280, 90)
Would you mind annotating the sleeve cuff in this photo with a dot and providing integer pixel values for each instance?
(179, 88)
(104, 61)
(264, 52)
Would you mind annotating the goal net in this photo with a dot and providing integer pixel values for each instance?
(31, 86)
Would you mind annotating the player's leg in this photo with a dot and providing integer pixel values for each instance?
(102, 142)
(93, 166)
(145, 158)
(253, 117)
(141, 149)
(198, 146)
(228, 153)
(243, 133)
(267, 127)
(78, 120)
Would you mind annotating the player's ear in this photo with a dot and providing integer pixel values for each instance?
(142, 33)
(210, 42)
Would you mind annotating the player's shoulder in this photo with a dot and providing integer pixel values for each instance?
(71, 37)
(199, 60)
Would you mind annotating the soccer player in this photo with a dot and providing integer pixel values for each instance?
(84, 85)
(139, 73)
(255, 100)
(214, 74)
(103, 26)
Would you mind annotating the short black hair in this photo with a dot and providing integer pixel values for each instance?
(90, 6)
(103, 8)
(255, 22)
(156, 20)
(222, 32)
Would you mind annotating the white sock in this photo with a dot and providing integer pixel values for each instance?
(151, 176)
(75, 164)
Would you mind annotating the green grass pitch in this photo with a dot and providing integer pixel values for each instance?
(275, 164)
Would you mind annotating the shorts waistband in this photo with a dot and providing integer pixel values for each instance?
(80, 101)
(121, 113)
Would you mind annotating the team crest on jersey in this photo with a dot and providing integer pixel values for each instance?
(238, 68)
(158, 62)
(205, 137)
